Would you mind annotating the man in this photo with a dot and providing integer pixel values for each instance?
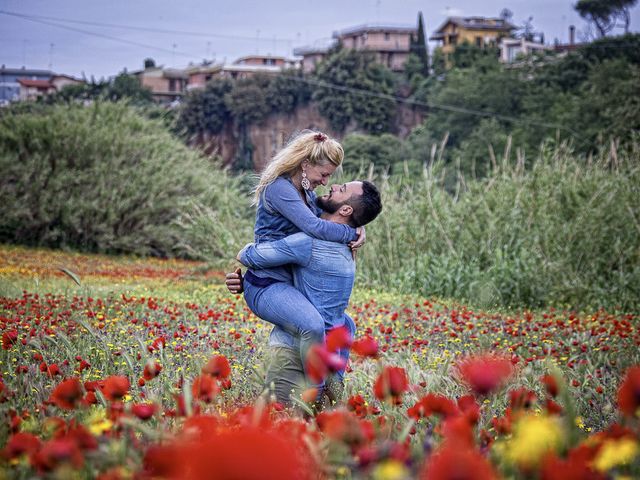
(322, 271)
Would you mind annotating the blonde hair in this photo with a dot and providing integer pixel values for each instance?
(316, 147)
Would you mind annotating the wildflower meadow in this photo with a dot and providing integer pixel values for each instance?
(126, 368)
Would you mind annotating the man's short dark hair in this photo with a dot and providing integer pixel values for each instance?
(367, 206)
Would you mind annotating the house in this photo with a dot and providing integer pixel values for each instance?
(32, 89)
(199, 75)
(252, 64)
(479, 31)
(511, 48)
(312, 55)
(10, 86)
(166, 84)
(60, 81)
(391, 44)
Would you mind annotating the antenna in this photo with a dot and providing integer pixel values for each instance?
(51, 45)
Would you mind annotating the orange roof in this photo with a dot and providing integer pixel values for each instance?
(26, 82)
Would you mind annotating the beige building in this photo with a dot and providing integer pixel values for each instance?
(199, 75)
(391, 44)
(311, 56)
(512, 48)
(479, 31)
(166, 85)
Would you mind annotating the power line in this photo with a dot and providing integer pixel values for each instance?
(142, 29)
(101, 35)
(437, 106)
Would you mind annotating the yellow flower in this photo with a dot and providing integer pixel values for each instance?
(98, 423)
(616, 452)
(533, 437)
(390, 470)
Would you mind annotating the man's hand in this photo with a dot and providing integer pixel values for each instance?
(358, 242)
(234, 281)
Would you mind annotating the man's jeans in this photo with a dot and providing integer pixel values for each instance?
(285, 376)
(283, 305)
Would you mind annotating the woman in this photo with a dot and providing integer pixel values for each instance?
(286, 204)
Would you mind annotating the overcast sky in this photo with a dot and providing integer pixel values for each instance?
(70, 36)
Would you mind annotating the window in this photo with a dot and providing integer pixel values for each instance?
(172, 85)
(478, 41)
(387, 36)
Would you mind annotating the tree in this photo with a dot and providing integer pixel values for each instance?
(419, 48)
(149, 63)
(288, 90)
(127, 86)
(205, 110)
(248, 100)
(352, 87)
(604, 14)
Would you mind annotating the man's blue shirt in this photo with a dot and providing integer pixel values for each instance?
(323, 272)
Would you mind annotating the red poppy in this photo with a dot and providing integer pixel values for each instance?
(433, 404)
(391, 384)
(365, 347)
(469, 408)
(485, 373)
(200, 427)
(218, 367)
(521, 398)
(115, 387)
(552, 407)
(320, 363)
(21, 444)
(550, 384)
(82, 437)
(9, 339)
(151, 370)
(629, 393)
(576, 467)
(144, 411)
(67, 394)
(451, 462)
(341, 425)
(205, 388)
(247, 453)
(458, 431)
(56, 452)
(338, 338)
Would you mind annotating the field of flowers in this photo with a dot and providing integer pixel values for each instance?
(119, 368)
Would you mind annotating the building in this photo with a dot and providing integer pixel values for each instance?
(28, 84)
(512, 48)
(312, 55)
(479, 31)
(250, 65)
(166, 84)
(390, 44)
(10, 85)
(198, 76)
(33, 89)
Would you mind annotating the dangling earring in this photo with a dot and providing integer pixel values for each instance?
(306, 184)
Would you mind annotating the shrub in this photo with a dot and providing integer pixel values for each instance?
(104, 178)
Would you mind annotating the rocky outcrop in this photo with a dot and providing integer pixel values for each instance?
(269, 136)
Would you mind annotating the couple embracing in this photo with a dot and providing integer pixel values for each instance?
(301, 265)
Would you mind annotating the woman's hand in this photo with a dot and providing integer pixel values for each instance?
(358, 242)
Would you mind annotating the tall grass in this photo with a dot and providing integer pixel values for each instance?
(106, 178)
(564, 231)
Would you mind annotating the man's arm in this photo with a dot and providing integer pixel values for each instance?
(292, 249)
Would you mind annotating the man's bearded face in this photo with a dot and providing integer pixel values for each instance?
(329, 205)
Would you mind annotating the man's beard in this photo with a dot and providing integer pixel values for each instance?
(328, 205)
